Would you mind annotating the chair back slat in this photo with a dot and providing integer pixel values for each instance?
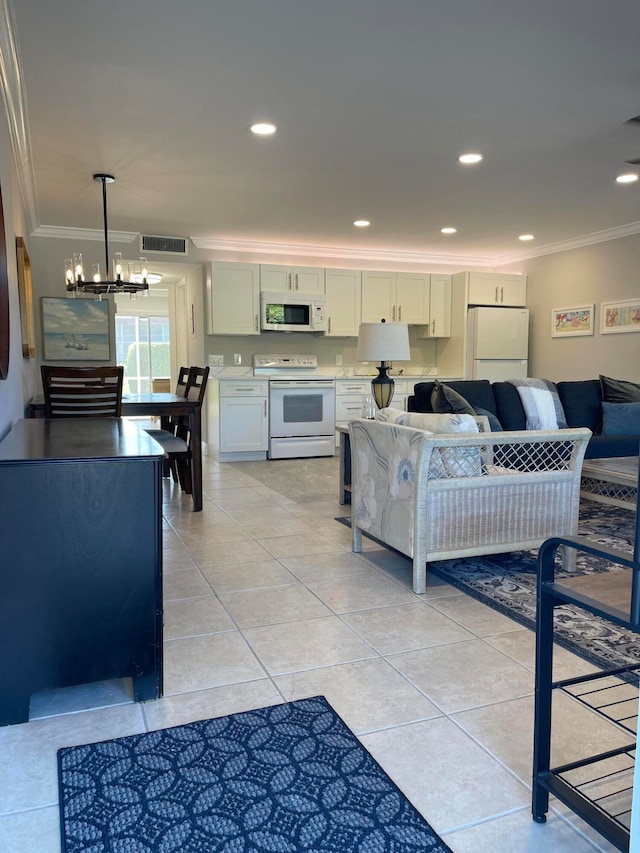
(77, 392)
(197, 383)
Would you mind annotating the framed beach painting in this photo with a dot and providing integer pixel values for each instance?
(622, 316)
(570, 322)
(75, 329)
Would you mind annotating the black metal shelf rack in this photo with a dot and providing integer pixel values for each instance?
(598, 788)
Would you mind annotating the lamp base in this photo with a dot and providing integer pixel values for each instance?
(382, 386)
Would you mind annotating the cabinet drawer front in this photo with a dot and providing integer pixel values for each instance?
(355, 387)
(348, 408)
(243, 389)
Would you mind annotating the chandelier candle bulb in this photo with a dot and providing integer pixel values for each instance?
(77, 266)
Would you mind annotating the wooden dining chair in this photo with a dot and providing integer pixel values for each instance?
(170, 423)
(82, 392)
(176, 441)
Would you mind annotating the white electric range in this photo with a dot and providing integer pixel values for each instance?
(302, 406)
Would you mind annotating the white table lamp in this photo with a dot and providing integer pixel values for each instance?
(383, 342)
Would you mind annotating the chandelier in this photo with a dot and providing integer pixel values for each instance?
(135, 280)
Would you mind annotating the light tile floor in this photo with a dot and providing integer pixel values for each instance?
(264, 602)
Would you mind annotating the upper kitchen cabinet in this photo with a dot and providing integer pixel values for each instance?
(502, 289)
(395, 297)
(283, 279)
(233, 299)
(439, 324)
(343, 289)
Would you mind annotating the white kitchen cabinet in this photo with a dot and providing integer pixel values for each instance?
(233, 299)
(244, 417)
(378, 297)
(412, 298)
(350, 396)
(407, 298)
(275, 278)
(401, 390)
(439, 324)
(343, 290)
(503, 289)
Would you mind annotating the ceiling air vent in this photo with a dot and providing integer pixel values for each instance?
(167, 245)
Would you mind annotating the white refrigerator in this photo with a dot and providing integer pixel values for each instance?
(497, 343)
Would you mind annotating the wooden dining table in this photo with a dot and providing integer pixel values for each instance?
(161, 404)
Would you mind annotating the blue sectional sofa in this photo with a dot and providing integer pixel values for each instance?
(581, 401)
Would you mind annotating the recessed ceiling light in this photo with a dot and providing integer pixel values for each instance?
(448, 230)
(468, 159)
(263, 128)
(629, 178)
(526, 237)
(362, 223)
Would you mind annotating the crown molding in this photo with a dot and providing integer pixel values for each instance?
(347, 254)
(61, 232)
(15, 102)
(574, 243)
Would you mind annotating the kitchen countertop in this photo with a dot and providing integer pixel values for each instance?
(417, 375)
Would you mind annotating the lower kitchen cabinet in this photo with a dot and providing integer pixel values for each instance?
(243, 420)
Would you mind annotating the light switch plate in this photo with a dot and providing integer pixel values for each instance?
(237, 358)
(339, 360)
(216, 361)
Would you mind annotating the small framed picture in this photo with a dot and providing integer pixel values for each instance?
(570, 322)
(75, 329)
(622, 316)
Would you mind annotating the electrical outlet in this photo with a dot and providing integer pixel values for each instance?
(237, 358)
(216, 361)
(339, 360)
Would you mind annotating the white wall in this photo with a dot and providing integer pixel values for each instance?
(603, 272)
(22, 381)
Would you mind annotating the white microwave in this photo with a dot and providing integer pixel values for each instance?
(281, 312)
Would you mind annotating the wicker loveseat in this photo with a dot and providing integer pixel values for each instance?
(436, 497)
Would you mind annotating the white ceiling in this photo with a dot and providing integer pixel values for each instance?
(374, 101)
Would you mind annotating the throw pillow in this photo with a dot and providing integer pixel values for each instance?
(445, 461)
(621, 418)
(445, 400)
(494, 423)
(619, 391)
(436, 423)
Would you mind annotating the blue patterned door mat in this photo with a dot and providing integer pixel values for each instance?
(283, 779)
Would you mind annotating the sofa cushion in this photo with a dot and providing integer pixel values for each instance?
(620, 418)
(582, 403)
(477, 392)
(509, 406)
(607, 446)
(444, 400)
(619, 390)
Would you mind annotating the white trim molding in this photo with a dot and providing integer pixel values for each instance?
(84, 234)
(298, 250)
(573, 243)
(15, 101)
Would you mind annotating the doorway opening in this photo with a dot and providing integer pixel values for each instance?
(143, 348)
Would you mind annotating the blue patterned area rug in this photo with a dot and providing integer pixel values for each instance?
(508, 584)
(283, 779)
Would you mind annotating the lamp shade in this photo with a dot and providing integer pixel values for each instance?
(383, 342)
